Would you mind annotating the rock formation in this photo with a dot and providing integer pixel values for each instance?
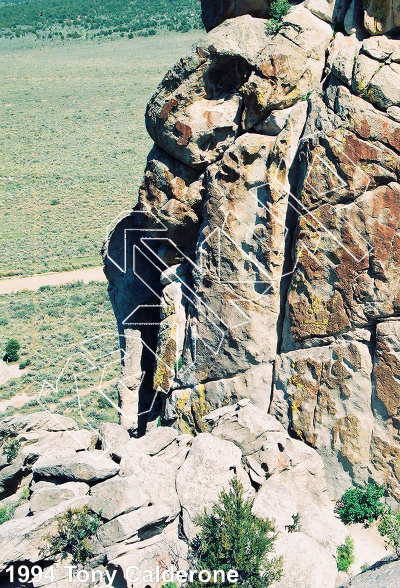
(266, 238)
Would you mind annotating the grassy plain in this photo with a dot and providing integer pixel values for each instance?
(73, 143)
(51, 326)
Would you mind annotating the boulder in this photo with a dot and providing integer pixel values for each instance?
(153, 443)
(112, 435)
(305, 563)
(38, 421)
(329, 10)
(381, 17)
(195, 113)
(117, 496)
(166, 548)
(172, 193)
(79, 467)
(207, 470)
(385, 574)
(136, 525)
(46, 495)
(260, 436)
(187, 407)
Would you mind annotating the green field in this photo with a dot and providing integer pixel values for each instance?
(73, 143)
(51, 325)
(75, 18)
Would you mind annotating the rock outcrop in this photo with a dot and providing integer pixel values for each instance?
(267, 232)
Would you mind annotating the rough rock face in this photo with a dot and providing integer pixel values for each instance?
(269, 218)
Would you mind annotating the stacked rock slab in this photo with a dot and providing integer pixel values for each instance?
(266, 237)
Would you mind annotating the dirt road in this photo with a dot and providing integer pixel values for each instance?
(10, 285)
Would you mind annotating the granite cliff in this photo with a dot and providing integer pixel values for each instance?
(265, 242)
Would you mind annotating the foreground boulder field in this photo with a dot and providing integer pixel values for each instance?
(148, 494)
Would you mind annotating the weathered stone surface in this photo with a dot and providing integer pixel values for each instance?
(36, 443)
(305, 563)
(214, 13)
(381, 16)
(385, 448)
(324, 397)
(135, 526)
(38, 421)
(117, 496)
(112, 435)
(45, 495)
(259, 435)
(156, 477)
(195, 113)
(329, 10)
(171, 334)
(215, 462)
(289, 67)
(171, 192)
(166, 548)
(275, 123)
(248, 238)
(155, 441)
(187, 407)
(384, 576)
(333, 288)
(375, 81)
(79, 467)
(342, 55)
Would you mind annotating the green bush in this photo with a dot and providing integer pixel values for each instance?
(295, 527)
(11, 447)
(6, 513)
(360, 505)
(389, 527)
(279, 9)
(24, 364)
(12, 349)
(345, 555)
(75, 528)
(232, 538)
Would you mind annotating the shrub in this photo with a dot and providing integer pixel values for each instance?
(11, 447)
(233, 538)
(359, 505)
(295, 527)
(75, 528)
(345, 555)
(24, 364)
(389, 527)
(12, 349)
(279, 9)
(6, 513)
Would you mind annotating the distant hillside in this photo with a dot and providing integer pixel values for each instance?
(75, 18)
